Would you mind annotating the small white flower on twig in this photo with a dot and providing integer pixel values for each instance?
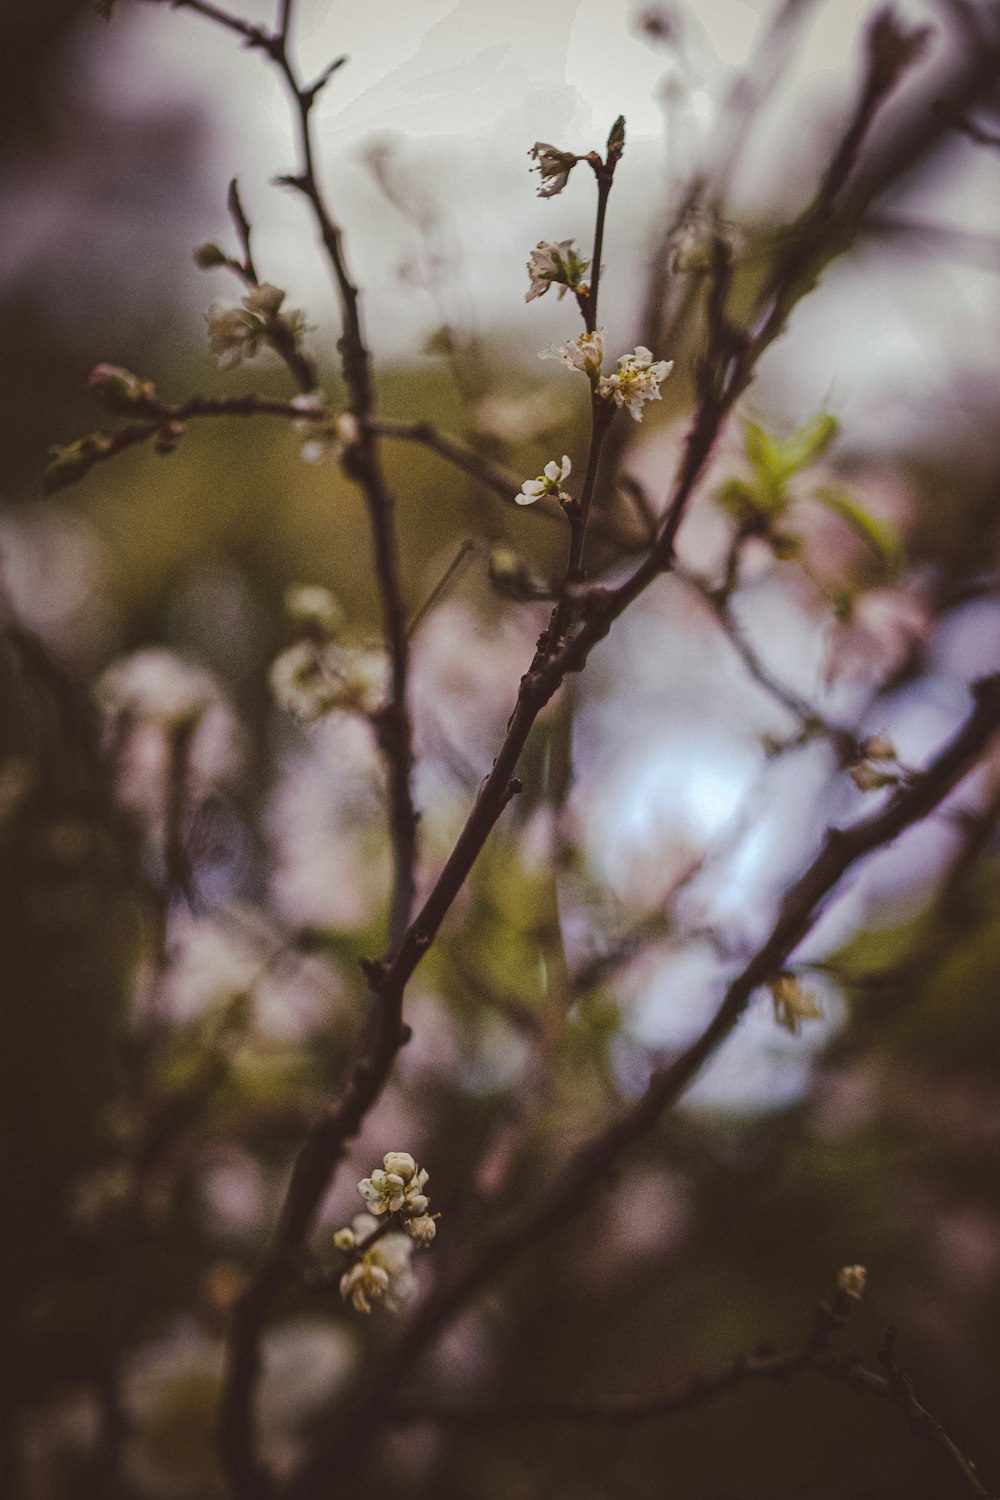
(421, 1229)
(397, 1186)
(236, 333)
(555, 264)
(637, 380)
(549, 482)
(585, 353)
(553, 166)
(383, 1192)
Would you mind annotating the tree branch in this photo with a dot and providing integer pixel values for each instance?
(580, 1177)
(762, 1365)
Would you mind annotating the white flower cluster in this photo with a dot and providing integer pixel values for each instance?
(397, 1187)
(553, 166)
(313, 676)
(236, 333)
(380, 1267)
(549, 482)
(636, 380)
(555, 264)
(380, 1273)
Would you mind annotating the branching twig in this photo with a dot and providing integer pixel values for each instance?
(762, 1365)
(813, 723)
(384, 1032)
(582, 1175)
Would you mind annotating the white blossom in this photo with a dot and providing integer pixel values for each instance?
(415, 1199)
(422, 1229)
(383, 1273)
(364, 1283)
(585, 353)
(637, 380)
(309, 679)
(264, 299)
(315, 608)
(327, 436)
(553, 166)
(236, 333)
(793, 1003)
(400, 1163)
(549, 482)
(554, 264)
(383, 1192)
(233, 334)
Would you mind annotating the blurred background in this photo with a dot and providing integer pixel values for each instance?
(189, 876)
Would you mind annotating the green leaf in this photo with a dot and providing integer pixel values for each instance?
(776, 460)
(878, 534)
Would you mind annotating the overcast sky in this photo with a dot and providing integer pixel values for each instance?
(461, 88)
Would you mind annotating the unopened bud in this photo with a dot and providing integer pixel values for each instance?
(167, 437)
(118, 390)
(208, 255)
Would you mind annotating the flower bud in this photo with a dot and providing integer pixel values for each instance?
(422, 1229)
(345, 1240)
(118, 390)
(400, 1163)
(208, 255)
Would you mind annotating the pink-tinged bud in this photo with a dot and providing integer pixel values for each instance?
(167, 437)
(118, 390)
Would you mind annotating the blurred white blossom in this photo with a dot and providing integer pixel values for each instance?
(421, 1229)
(158, 706)
(310, 679)
(236, 333)
(383, 1273)
(315, 608)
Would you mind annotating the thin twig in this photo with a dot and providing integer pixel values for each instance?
(384, 1031)
(760, 1366)
(579, 1178)
(843, 740)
